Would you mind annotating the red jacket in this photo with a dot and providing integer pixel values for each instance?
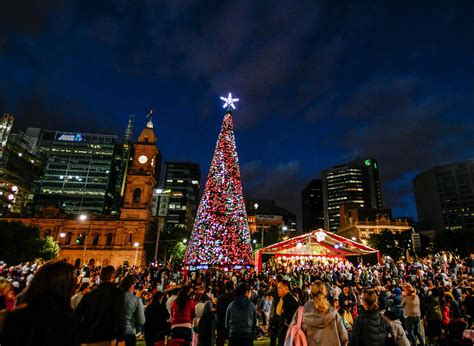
(185, 316)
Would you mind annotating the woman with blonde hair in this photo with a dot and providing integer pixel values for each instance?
(321, 324)
(412, 313)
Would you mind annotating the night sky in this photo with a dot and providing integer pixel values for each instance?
(319, 83)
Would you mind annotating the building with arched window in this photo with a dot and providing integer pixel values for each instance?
(109, 239)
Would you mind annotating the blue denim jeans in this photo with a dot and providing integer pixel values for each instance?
(413, 330)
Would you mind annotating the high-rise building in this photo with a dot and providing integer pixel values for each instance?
(106, 239)
(444, 197)
(356, 182)
(312, 206)
(122, 156)
(183, 181)
(20, 165)
(79, 174)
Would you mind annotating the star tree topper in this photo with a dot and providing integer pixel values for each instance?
(229, 101)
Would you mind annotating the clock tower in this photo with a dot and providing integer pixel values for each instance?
(141, 180)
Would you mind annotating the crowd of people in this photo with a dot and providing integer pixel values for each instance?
(330, 302)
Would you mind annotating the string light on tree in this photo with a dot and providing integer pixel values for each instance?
(221, 233)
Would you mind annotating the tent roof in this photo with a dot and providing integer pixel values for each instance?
(319, 242)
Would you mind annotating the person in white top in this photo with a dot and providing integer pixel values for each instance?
(83, 290)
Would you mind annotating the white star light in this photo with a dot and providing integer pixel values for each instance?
(229, 101)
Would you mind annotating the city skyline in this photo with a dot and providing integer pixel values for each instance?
(319, 84)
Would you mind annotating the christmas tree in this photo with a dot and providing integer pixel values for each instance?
(221, 233)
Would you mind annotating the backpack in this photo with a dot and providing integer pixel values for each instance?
(433, 310)
(295, 335)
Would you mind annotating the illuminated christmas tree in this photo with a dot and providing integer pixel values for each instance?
(221, 233)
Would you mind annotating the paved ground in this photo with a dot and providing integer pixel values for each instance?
(264, 342)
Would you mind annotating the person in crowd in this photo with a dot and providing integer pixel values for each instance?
(370, 327)
(101, 312)
(173, 294)
(83, 289)
(156, 320)
(412, 313)
(206, 326)
(182, 315)
(241, 317)
(222, 304)
(134, 311)
(45, 318)
(286, 308)
(400, 336)
(265, 307)
(321, 323)
(346, 297)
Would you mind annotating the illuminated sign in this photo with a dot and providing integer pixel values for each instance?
(368, 162)
(70, 137)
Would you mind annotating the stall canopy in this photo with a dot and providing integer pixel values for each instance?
(319, 243)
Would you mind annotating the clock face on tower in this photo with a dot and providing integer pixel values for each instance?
(142, 159)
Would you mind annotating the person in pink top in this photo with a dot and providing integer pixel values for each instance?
(182, 315)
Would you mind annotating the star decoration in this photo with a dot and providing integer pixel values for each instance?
(229, 101)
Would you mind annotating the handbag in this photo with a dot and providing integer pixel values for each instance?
(295, 335)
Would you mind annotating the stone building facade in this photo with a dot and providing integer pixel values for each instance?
(109, 240)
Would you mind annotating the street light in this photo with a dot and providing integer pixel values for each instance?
(83, 217)
(185, 241)
(255, 206)
(136, 252)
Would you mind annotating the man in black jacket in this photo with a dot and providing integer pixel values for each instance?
(222, 304)
(286, 308)
(101, 312)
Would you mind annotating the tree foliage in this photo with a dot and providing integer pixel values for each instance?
(391, 244)
(459, 242)
(23, 243)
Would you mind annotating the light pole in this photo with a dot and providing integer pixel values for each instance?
(82, 218)
(136, 252)
(255, 206)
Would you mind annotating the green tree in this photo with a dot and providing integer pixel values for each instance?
(23, 243)
(391, 244)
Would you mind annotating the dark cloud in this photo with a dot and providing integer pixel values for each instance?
(282, 183)
(30, 17)
(319, 82)
(406, 131)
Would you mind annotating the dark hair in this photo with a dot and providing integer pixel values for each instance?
(182, 297)
(229, 286)
(204, 298)
(241, 289)
(106, 273)
(126, 283)
(285, 283)
(83, 286)
(52, 287)
(157, 297)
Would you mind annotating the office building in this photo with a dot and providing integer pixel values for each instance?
(444, 197)
(356, 182)
(183, 181)
(20, 166)
(263, 214)
(79, 174)
(101, 239)
(312, 206)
